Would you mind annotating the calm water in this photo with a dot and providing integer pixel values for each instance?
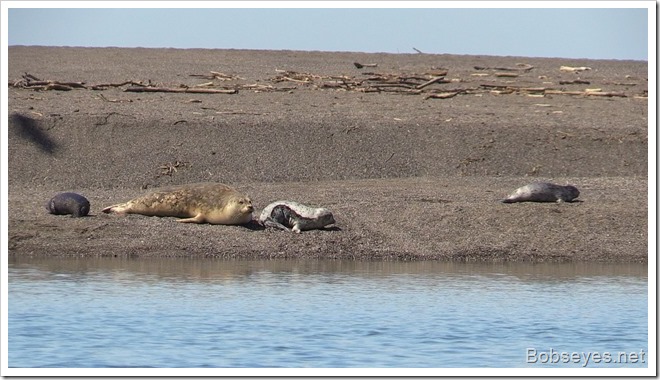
(214, 313)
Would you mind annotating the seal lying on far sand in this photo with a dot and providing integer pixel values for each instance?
(543, 192)
(213, 203)
(296, 217)
(68, 203)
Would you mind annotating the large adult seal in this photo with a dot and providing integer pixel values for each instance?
(213, 203)
(296, 217)
(68, 203)
(543, 192)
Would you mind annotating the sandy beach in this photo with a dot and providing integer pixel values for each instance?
(412, 165)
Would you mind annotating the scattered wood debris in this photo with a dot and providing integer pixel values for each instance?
(31, 82)
(430, 84)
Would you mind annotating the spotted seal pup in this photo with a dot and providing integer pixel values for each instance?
(543, 192)
(296, 217)
(68, 203)
(213, 203)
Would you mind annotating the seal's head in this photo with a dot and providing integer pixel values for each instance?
(324, 216)
(240, 208)
(570, 193)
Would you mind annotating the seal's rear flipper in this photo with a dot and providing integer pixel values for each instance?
(270, 223)
(115, 209)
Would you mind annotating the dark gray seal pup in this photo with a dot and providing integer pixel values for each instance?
(68, 203)
(543, 192)
(296, 217)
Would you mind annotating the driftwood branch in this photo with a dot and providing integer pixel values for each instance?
(588, 93)
(102, 86)
(430, 82)
(502, 89)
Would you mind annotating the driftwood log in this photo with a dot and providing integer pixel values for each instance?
(361, 65)
(577, 81)
(442, 95)
(574, 69)
(182, 90)
(519, 67)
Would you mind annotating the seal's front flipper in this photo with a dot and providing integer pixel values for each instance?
(270, 223)
(199, 218)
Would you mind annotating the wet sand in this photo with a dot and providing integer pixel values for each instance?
(408, 177)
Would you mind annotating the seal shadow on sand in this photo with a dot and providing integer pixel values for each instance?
(28, 128)
(256, 226)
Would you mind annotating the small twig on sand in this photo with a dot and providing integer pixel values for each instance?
(237, 113)
(114, 100)
(171, 167)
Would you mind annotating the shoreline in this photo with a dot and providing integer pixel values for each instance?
(407, 177)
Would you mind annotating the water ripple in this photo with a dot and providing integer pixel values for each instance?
(275, 317)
